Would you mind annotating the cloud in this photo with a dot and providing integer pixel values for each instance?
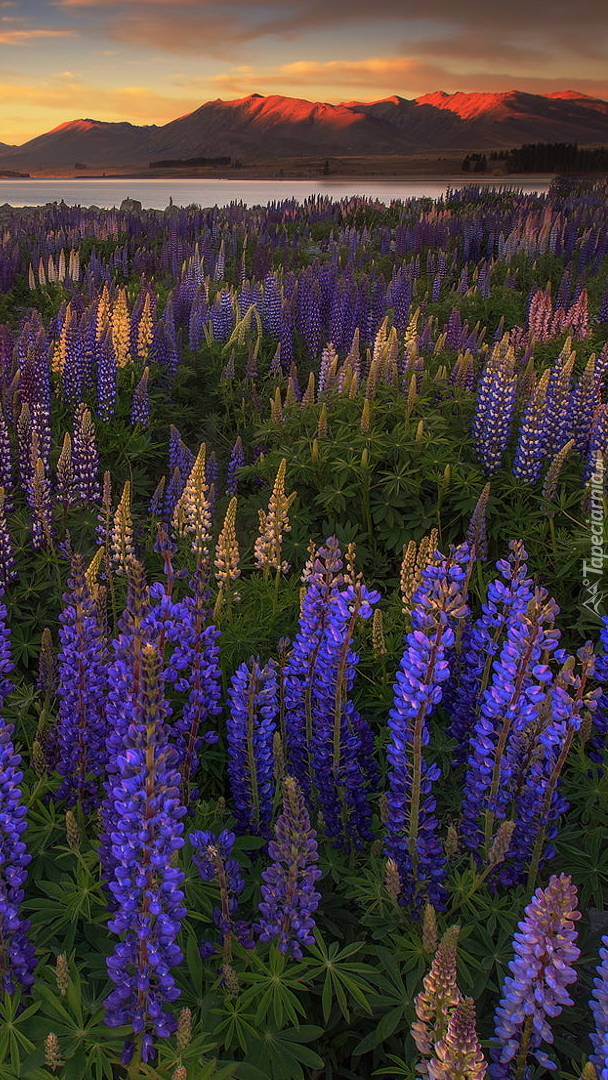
(380, 76)
(286, 17)
(27, 37)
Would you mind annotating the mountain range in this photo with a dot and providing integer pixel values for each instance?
(257, 127)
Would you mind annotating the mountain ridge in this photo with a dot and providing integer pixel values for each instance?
(275, 126)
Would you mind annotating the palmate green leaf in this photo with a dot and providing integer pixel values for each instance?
(244, 1070)
(235, 1026)
(275, 986)
(341, 976)
(15, 1044)
(284, 1052)
(383, 1030)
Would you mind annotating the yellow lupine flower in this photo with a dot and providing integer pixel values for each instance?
(122, 531)
(192, 513)
(121, 329)
(227, 550)
(273, 524)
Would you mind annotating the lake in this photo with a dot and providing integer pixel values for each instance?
(156, 194)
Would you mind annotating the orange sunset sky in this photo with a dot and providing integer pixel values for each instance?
(150, 61)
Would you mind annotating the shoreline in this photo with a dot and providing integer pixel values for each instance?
(342, 179)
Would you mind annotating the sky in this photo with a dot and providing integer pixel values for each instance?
(150, 61)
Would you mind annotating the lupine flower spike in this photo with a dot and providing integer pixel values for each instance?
(274, 523)
(145, 885)
(411, 824)
(545, 949)
(289, 899)
(599, 1008)
(122, 532)
(226, 560)
(17, 960)
(193, 513)
(438, 998)
(458, 1055)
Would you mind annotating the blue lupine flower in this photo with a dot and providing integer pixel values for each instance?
(214, 861)
(146, 887)
(412, 840)
(508, 705)
(531, 447)
(250, 728)
(599, 1008)
(545, 948)
(17, 959)
(124, 676)
(8, 571)
(481, 641)
(494, 411)
(322, 583)
(540, 802)
(6, 463)
(557, 402)
(583, 401)
(235, 461)
(477, 535)
(79, 737)
(6, 661)
(85, 458)
(289, 899)
(140, 407)
(340, 741)
(193, 668)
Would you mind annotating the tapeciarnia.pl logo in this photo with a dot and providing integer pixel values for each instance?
(593, 569)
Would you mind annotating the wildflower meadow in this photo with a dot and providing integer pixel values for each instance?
(303, 639)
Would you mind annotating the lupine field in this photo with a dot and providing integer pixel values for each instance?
(304, 655)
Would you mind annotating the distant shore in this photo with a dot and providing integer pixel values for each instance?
(447, 164)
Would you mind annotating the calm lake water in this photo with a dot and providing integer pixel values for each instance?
(156, 194)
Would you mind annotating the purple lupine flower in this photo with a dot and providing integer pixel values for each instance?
(540, 802)
(250, 728)
(480, 642)
(140, 408)
(531, 447)
(179, 454)
(289, 899)
(85, 458)
(322, 583)
(494, 412)
(124, 676)
(79, 737)
(599, 1008)
(213, 859)
(583, 402)
(163, 349)
(545, 949)
(17, 958)
(6, 660)
(510, 703)
(412, 840)
(41, 504)
(477, 536)
(557, 431)
(8, 567)
(235, 461)
(193, 668)
(105, 355)
(598, 442)
(146, 887)
(341, 741)
(6, 463)
(597, 743)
